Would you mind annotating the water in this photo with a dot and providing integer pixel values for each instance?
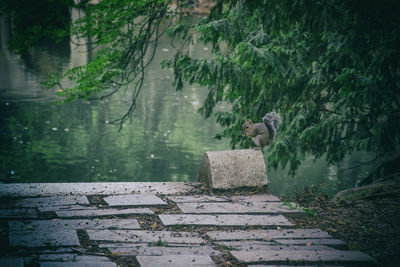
(332, 178)
(74, 142)
(45, 142)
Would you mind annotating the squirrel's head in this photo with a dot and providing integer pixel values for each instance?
(246, 127)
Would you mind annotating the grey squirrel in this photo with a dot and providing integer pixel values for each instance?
(262, 133)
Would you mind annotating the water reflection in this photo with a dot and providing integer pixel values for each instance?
(316, 172)
(44, 142)
(74, 142)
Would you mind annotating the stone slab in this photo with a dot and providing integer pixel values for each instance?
(272, 256)
(132, 245)
(316, 241)
(224, 220)
(51, 189)
(175, 261)
(198, 199)
(43, 238)
(244, 244)
(145, 236)
(79, 264)
(52, 201)
(66, 207)
(268, 265)
(58, 250)
(11, 262)
(103, 212)
(255, 198)
(65, 257)
(234, 208)
(18, 213)
(249, 245)
(94, 224)
(144, 250)
(232, 168)
(135, 200)
(267, 234)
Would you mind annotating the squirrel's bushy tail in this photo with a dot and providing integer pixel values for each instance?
(272, 119)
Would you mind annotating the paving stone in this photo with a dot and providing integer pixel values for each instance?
(52, 201)
(145, 236)
(43, 238)
(11, 262)
(227, 207)
(175, 261)
(58, 250)
(134, 245)
(267, 234)
(198, 199)
(103, 212)
(65, 257)
(255, 198)
(51, 189)
(264, 265)
(273, 256)
(224, 220)
(135, 200)
(74, 224)
(317, 241)
(69, 207)
(145, 250)
(79, 264)
(244, 244)
(18, 213)
(265, 245)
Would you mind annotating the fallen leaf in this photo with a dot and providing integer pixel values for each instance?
(309, 243)
(30, 227)
(153, 227)
(330, 229)
(125, 253)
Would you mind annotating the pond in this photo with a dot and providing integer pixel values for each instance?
(41, 141)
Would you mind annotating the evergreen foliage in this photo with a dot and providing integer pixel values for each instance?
(30, 26)
(330, 68)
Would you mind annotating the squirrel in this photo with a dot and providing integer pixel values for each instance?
(262, 133)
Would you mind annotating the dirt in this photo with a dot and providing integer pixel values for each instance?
(370, 223)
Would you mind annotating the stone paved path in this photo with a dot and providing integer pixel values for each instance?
(157, 224)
